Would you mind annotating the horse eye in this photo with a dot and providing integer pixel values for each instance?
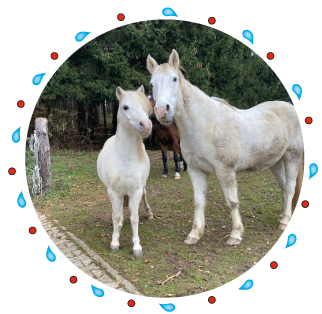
(151, 85)
(175, 79)
(125, 107)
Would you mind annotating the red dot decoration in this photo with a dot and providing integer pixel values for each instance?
(12, 171)
(73, 279)
(308, 120)
(121, 17)
(32, 230)
(211, 20)
(54, 55)
(211, 300)
(270, 55)
(305, 204)
(131, 303)
(20, 103)
(274, 265)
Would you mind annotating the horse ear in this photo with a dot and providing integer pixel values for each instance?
(141, 89)
(119, 93)
(174, 59)
(151, 64)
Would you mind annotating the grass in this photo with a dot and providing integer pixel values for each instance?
(79, 202)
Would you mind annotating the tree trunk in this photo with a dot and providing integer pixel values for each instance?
(91, 121)
(41, 131)
(96, 116)
(115, 110)
(104, 114)
(81, 118)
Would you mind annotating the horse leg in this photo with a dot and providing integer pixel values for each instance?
(117, 217)
(291, 162)
(199, 183)
(175, 147)
(147, 206)
(279, 172)
(134, 203)
(227, 180)
(165, 159)
(183, 164)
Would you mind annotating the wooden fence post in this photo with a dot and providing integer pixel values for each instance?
(41, 131)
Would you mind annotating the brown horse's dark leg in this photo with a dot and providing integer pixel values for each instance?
(182, 160)
(176, 149)
(164, 149)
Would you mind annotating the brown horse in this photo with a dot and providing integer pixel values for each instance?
(168, 135)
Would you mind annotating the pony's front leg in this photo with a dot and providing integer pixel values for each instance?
(149, 214)
(227, 180)
(117, 217)
(199, 183)
(134, 203)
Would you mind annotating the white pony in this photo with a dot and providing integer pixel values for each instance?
(217, 138)
(123, 164)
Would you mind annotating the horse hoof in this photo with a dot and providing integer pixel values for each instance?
(191, 241)
(233, 241)
(164, 176)
(177, 177)
(149, 217)
(137, 253)
(114, 249)
(282, 226)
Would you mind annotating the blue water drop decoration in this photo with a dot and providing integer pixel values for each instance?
(50, 255)
(21, 200)
(248, 35)
(37, 78)
(297, 89)
(98, 292)
(81, 35)
(16, 135)
(169, 12)
(168, 307)
(247, 285)
(313, 170)
(291, 240)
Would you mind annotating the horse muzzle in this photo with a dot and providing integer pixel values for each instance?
(162, 114)
(145, 127)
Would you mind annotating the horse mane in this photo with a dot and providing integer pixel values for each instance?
(222, 100)
(142, 99)
(182, 79)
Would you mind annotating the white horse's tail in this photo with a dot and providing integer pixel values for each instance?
(126, 201)
(299, 180)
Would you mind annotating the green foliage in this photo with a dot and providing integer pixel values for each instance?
(215, 62)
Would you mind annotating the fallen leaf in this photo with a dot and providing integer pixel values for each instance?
(134, 280)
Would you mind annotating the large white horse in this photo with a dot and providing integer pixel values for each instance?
(123, 164)
(219, 139)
